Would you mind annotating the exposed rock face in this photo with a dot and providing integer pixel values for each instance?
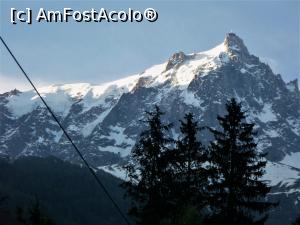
(104, 120)
(236, 48)
(176, 60)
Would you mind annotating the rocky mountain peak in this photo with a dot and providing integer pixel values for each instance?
(176, 59)
(232, 48)
(235, 46)
(10, 93)
(199, 82)
(235, 43)
(105, 120)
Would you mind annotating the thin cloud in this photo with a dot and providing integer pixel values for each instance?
(8, 83)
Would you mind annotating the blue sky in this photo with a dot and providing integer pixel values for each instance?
(98, 52)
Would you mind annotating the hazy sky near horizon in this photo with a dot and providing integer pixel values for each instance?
(53, 53)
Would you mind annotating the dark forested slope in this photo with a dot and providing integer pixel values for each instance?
(67, 193)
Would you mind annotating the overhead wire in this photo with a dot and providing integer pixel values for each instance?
(99, 182)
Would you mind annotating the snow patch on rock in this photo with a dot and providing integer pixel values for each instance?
(292, 159)
(267, 114)
(280, 174)
(115, 170)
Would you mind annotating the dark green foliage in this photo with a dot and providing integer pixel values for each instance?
(150, 178)
(190, 178)
(20, 215)
(237, 193)
(187, 215)
(188, 160)
(35, 216)
(67, 193)
(2, 199)
(168, 185)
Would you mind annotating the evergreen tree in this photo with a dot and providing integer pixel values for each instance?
(3, 199)
(149, 177)
(35, 215)
(20, 215)
(189, 159)
(188, 215)
(237, 192)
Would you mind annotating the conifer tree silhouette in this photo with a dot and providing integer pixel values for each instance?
(187, 162)
(237, 192)
(190, 157)
(149, 177)
(35, 215)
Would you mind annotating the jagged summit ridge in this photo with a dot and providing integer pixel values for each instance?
(180, 69)
(201, 82)
(235, 45)
(104, 120)
(232, 49)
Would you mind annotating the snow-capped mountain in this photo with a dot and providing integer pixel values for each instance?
(104, 120)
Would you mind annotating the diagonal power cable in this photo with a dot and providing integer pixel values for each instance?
(69, 138)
